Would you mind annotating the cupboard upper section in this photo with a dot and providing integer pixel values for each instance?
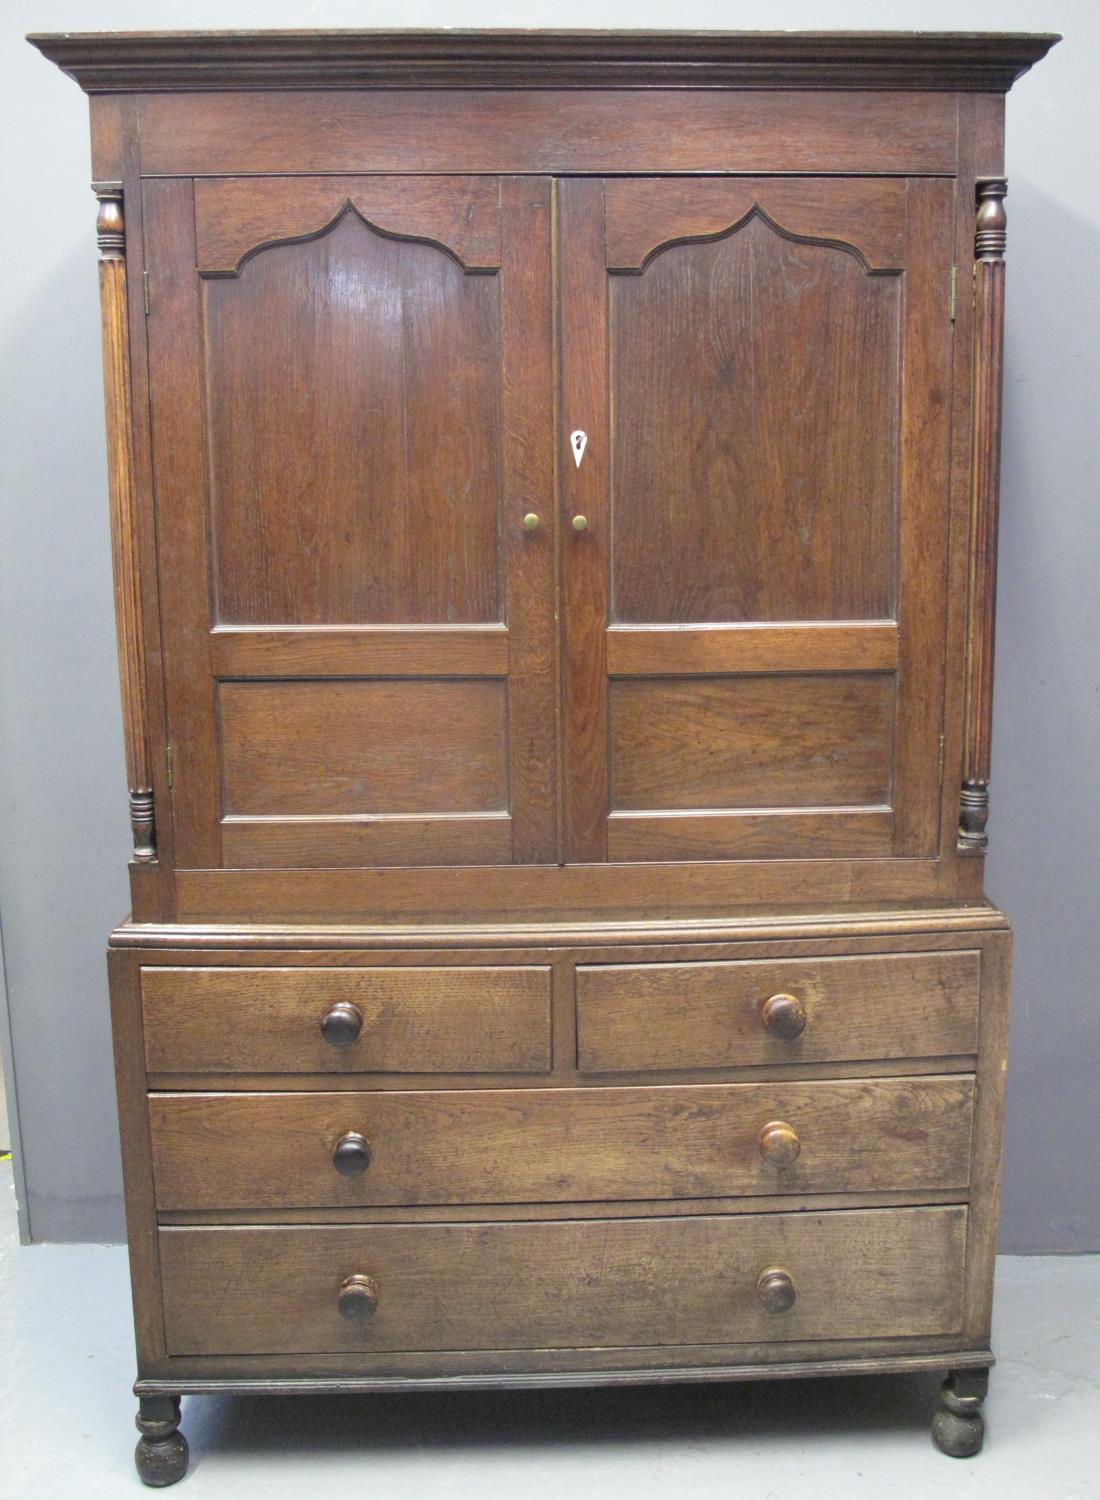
(363, 296)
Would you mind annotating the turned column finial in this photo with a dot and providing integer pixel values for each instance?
(991, 226)
(973, 816)
(110, 224)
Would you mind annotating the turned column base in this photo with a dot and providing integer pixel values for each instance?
(958, 1428)
(161, 1454)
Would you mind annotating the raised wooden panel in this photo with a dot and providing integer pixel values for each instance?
(414, 1020)
(645, 216)
(220, 1151)
(865, 1274)
(664, 1016)
(235, 217)
(300, 748)
(739, 742)
(754, 447)
(353, 420)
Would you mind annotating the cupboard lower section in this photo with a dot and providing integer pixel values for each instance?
(359, 1160)
(582, 1284)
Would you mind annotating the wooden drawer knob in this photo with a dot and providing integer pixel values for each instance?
(351, 1155)
(358, 1299)
(779, 1143)
(784, 1016)
(775, 1288)
(341, 1025)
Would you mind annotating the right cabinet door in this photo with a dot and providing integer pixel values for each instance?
(754, 605)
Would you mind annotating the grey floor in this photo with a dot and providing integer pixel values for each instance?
(66, 1364)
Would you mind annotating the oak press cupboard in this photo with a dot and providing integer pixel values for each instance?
(553, 486)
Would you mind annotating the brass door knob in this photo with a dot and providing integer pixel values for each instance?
(580, 523)
(358, 1298)
(779, 1143)
(775, 1288)
(784, 1016)
(530, 521)
(341, 1025)
(351, 1155)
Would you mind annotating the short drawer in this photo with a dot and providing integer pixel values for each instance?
(881, 1273)
(645, 1017)
(310, 1150)
(349, 1020)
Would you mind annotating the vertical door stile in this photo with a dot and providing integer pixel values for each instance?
(527, 417)
(175, 333)
(584, 487)
(923, 496)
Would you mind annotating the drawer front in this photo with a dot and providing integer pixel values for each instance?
(641, 1017)
(217, 1151)
(391, 1020)
(880, 1273)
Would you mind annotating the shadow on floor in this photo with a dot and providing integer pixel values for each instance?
(438, 1421)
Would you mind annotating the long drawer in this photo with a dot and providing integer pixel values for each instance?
(596, 1283)
(244, 1150)
(641, 1017)
(346, 1020)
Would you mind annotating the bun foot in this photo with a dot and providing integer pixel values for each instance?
(161, 1454)
(958, 1428)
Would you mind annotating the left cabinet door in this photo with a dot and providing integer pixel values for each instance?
(352, 418)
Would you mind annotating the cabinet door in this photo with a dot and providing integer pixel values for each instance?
(352, 414)
(754, 614)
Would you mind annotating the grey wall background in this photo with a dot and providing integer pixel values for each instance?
(63, 827)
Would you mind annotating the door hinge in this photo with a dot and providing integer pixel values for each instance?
(952, 299)
(145, 290)
(168, 758)
(941, 761)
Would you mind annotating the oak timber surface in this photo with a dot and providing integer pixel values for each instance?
(677, 1015)
(439, 1019)
(533, 1145)
(878, 1273)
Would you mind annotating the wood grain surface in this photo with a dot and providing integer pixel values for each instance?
(745, 741)
(415, 1020)
(540, 1145)
(633, 1017)
(866, 1274)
